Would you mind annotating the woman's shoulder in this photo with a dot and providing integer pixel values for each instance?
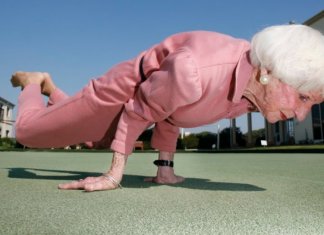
(210, 47)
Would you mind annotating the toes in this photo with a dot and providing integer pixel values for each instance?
(180, 179)
(46, 75)
(24, 78)
(15, 80)
(149, 179)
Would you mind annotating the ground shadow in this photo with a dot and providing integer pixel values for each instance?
(129, 181)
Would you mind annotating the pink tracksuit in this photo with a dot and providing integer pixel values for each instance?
(193, 78)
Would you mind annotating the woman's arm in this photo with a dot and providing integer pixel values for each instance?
(175, 85)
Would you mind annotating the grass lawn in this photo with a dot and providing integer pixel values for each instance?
(224, 193)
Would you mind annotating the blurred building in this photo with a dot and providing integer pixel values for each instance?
(312, 129)
(6, 118)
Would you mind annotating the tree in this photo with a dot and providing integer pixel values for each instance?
(257, 136)
(146, 138)
(7, 143)
(225, 136)
(207, 140)
(191, 141)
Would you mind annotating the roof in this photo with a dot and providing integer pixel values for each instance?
(315, 18)
(6, 102)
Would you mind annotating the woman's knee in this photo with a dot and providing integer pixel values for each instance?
(21, 134)
(25, 134)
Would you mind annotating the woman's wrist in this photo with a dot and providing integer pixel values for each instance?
(117, 167)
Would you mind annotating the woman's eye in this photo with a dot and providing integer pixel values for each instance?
(303, 98)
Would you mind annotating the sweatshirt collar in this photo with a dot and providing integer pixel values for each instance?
(242, 76)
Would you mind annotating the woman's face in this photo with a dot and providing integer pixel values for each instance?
(279, 101)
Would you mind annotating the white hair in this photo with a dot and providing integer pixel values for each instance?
(292, 53)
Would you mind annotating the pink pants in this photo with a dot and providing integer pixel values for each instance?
(90, 115)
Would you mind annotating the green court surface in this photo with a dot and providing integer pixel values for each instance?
(223, 193)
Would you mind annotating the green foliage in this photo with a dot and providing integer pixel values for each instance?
(180, 144)
(191, 141)
(7, 143)
(225, 135)
(207, 140)
(257, 136)
(146, 138)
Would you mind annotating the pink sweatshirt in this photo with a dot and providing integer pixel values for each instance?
(193, 78)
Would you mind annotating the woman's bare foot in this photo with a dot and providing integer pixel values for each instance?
(22, 79)
(48, 85)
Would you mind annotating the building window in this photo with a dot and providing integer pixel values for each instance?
(1, 113)
(290, 128)
(322, 119)
(317, 122)
(277, 132)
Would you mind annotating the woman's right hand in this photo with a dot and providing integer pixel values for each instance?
(107, 181)
(90, 184)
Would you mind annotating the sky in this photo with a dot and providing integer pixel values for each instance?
(77, 40)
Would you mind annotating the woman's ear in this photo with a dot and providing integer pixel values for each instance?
(263, 71)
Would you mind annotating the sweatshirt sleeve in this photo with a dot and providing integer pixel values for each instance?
(175, 84)
(165, 136)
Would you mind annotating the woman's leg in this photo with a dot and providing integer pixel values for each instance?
(84, 117)
(58, 95)
(71, 121)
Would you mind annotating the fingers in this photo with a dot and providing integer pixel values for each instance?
(78, 184)
(72, 185)
(89, 184)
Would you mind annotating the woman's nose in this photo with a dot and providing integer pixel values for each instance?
(302, 112)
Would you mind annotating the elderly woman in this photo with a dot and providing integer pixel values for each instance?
(189, 79)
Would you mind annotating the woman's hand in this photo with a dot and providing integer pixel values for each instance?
(91, 184)
(108, 181)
